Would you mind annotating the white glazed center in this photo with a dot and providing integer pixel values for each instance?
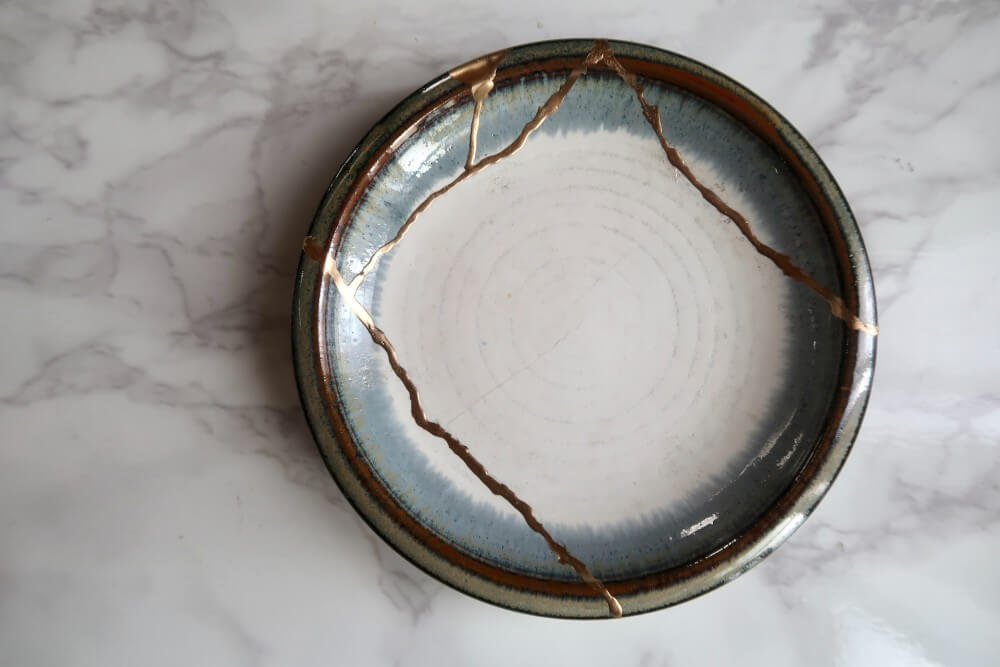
(602, 340)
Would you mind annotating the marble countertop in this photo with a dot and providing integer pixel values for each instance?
(161, 500)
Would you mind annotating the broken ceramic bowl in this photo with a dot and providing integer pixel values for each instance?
(584, 328)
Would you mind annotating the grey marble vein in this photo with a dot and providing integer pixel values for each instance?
(160, 497)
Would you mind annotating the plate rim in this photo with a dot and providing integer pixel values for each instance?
(574, 599)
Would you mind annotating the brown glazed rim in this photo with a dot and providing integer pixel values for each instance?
(575, 598)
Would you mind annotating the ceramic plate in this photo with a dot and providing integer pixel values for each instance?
(584, 328)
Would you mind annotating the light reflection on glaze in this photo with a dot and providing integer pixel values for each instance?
(707, 521)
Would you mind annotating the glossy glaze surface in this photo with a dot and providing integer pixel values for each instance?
(625, 294)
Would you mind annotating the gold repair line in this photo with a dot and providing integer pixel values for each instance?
(782, 261)
(550, 106)
(474, 131)
(479, 74)
(348, 292)
(313, 249)
(455, 445)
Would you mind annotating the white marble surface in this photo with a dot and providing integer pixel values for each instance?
(161, 502)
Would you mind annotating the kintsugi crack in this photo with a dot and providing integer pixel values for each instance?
(547, 109)
(480, 87)
(782, 261)
(479, 76)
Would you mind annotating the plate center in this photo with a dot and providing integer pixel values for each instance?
(601, 338)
